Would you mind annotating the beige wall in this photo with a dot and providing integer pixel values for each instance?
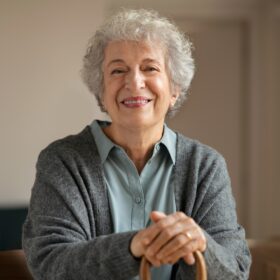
(214, 113)
(41, 93)
(269, 206)
(43, 98)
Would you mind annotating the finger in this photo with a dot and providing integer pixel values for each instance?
(182, 238)
(189, 259)
(152, 232)
(168, 239)
(179, 223)
(184, 252)
(185, 244)
(138, 244)
(156, 216)
(153, 261)
(173, 245)
(141, 240)
(163, 231)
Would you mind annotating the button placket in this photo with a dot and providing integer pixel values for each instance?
(138, 209)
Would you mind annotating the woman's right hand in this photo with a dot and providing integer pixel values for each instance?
(170, 238)
(142, 239)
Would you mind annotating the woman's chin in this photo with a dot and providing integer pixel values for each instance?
(142, 123)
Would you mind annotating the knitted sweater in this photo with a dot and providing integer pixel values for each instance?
(68, 233)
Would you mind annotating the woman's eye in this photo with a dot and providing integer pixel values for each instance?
(151, 69)
(117, 71)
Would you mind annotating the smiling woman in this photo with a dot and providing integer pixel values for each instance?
(137, 94)
(140, 26)
(132, 187)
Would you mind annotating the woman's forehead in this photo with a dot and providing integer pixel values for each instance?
(116, 51)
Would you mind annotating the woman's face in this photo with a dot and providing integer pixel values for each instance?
(137, 92)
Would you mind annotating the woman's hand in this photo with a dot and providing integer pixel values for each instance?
(170, 238)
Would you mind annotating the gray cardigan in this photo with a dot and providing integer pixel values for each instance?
(68, 233)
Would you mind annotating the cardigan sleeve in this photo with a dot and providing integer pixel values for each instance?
(59, 234)
(227, 255)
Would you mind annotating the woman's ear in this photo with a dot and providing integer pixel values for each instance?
(174, 96)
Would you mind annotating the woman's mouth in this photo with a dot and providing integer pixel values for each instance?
(138, 101)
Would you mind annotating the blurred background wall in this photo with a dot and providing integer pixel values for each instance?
(233, 105)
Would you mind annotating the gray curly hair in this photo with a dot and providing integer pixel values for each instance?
(139, 25)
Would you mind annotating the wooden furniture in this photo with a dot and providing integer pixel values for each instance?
(201, 272)
(13, 266)
(265, 259)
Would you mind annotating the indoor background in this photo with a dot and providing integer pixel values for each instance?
(233, 104)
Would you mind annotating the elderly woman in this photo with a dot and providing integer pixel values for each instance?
(132, 187)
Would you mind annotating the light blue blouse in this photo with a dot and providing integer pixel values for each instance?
(132, 196)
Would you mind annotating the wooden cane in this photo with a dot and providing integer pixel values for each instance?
(201, 272)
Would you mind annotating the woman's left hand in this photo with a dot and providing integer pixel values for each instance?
(175, 236)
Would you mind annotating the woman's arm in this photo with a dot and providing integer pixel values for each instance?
(213, 230)
(60, 237)
(227, 255)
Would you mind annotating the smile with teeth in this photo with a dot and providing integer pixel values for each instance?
(135, 101)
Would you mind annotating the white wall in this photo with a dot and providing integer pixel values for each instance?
(42, 97)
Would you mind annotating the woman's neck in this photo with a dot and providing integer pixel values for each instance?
(138, 143)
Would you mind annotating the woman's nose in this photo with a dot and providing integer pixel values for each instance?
(134, 80)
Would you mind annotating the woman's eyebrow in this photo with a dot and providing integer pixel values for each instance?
(118, 60)
(151, 60)
(146, 60)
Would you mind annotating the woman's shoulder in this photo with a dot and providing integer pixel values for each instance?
(193, 149)
(198, 159)
(81, 143)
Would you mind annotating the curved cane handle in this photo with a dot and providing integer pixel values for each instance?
(201, 272)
